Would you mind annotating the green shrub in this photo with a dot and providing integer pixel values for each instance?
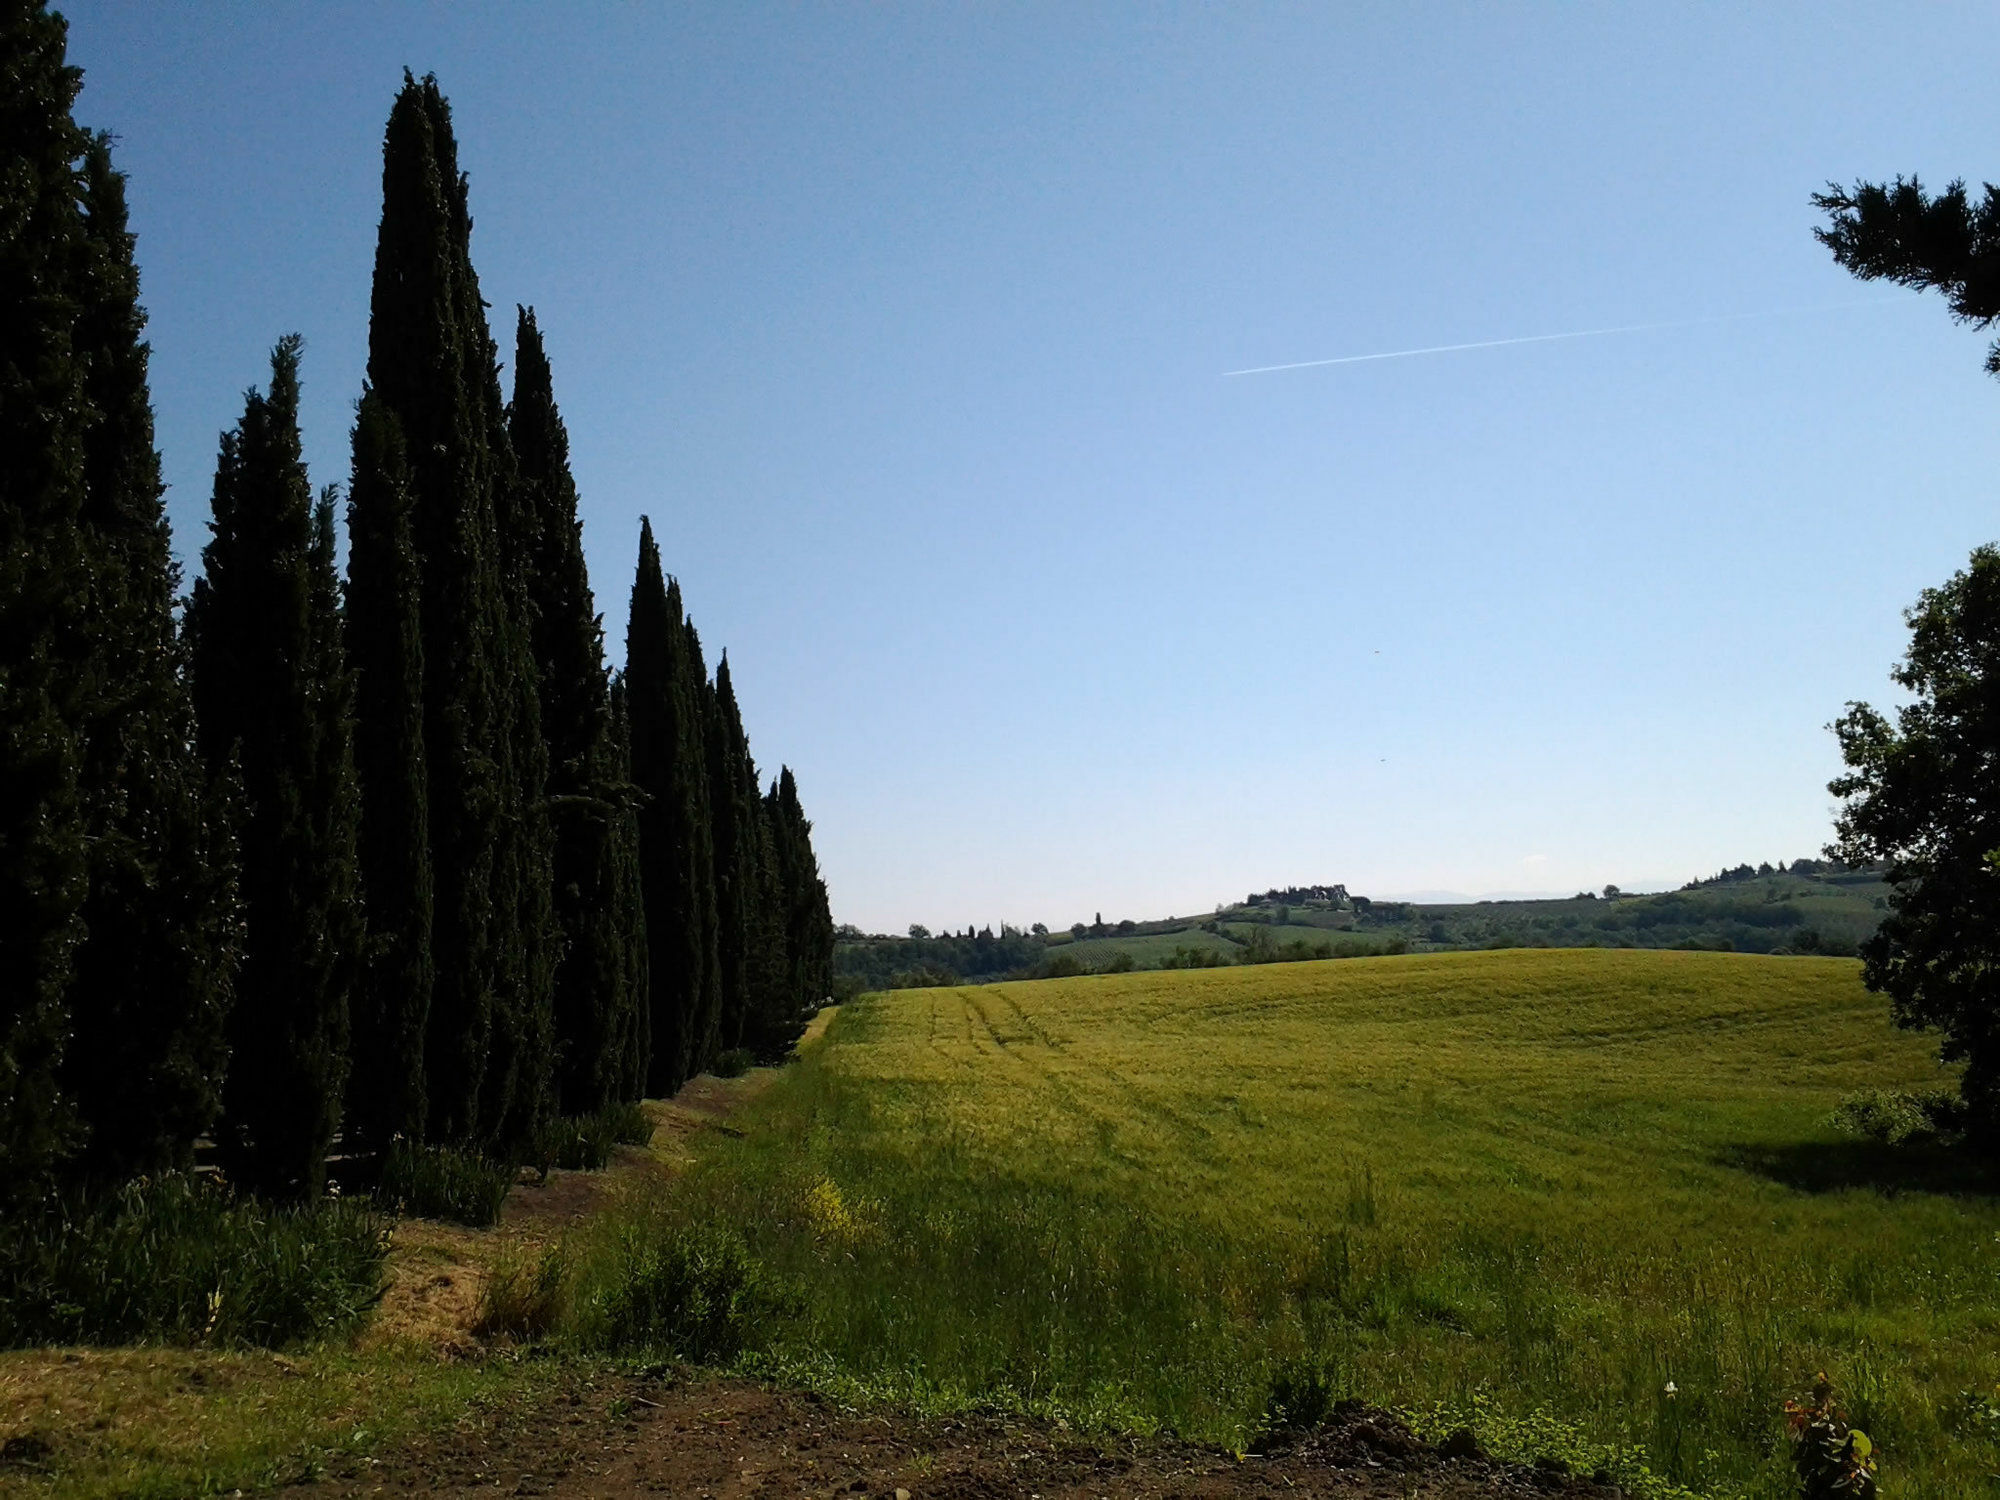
(734, 1063)
(182, 1260)
(1893, 1116)
(441, 1182)
(1120, 962)
(694, 1292)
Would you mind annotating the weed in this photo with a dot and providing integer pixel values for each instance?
(441, 1182)
(181, 1260)
(526, 1295)
(690, 1291)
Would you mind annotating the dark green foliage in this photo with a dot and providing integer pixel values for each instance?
(276, 701)
(705, 1036)
(434, 367)
(44, 584)
(116, 877)
(153, 976)
(596, 983)
(422, 360)
(669, 767)
(733, 815)
(733, 1062)
(179, 1260)
(807, 920)
(1924, 794)
(1902, 234)
(634, 1041)
(443, 1182)
(385, 1088)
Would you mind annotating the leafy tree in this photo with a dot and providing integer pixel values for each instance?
(1923, 793)
(384, 626)
(1902, 234)
(275, 700)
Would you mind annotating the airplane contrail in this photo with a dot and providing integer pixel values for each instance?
(1546, 338)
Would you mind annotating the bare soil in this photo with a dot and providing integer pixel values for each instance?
(709, 1439)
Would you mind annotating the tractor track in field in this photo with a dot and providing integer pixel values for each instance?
(710, 1438)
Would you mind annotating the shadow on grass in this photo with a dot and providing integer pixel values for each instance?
(1830, 1166)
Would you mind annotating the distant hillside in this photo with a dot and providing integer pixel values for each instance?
(1807, 907)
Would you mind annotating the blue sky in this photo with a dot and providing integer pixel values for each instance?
(907, 325)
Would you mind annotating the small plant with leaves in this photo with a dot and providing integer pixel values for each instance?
(1834, 1460)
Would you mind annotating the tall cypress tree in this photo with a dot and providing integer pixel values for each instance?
(424, 356)
(44, 587)
(634, 1027)
(732, 801)
(669, 769)
(593, 994)
(705, 1036)
(384, 631)
(768, 1020)
(808, 920)
(275, 697)
(154, 977)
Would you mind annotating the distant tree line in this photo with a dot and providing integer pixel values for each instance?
(392, 856)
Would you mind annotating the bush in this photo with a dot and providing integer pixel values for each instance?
(1120, 962)
(441, 1182)
(181, 1260)
(734, 1063)
(1894, 1116)
(694, 1292)
(1834, 1461)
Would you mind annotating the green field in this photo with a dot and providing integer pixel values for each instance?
(1528, 1189)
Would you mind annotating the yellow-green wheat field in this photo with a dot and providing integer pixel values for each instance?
(1526, 1190)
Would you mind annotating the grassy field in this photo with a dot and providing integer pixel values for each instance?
(1532, 1190)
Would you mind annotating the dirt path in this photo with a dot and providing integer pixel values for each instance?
(709, 1439)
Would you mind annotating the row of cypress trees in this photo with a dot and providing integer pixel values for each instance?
(397, 859)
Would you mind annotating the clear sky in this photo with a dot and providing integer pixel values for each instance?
(907, 325)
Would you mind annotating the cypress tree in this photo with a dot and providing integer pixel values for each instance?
(705, 1037)
(808, 920)
(732, 800)
(153, 980)
(766, 1030)
(275, 697)
(592, 989)
(427, 354)
(384, 631)
(669, 768)
(44, 584)
(633, 1027)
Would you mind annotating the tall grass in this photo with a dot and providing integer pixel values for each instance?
(1111, 1205)
(443, 1182)
(179, 1260)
